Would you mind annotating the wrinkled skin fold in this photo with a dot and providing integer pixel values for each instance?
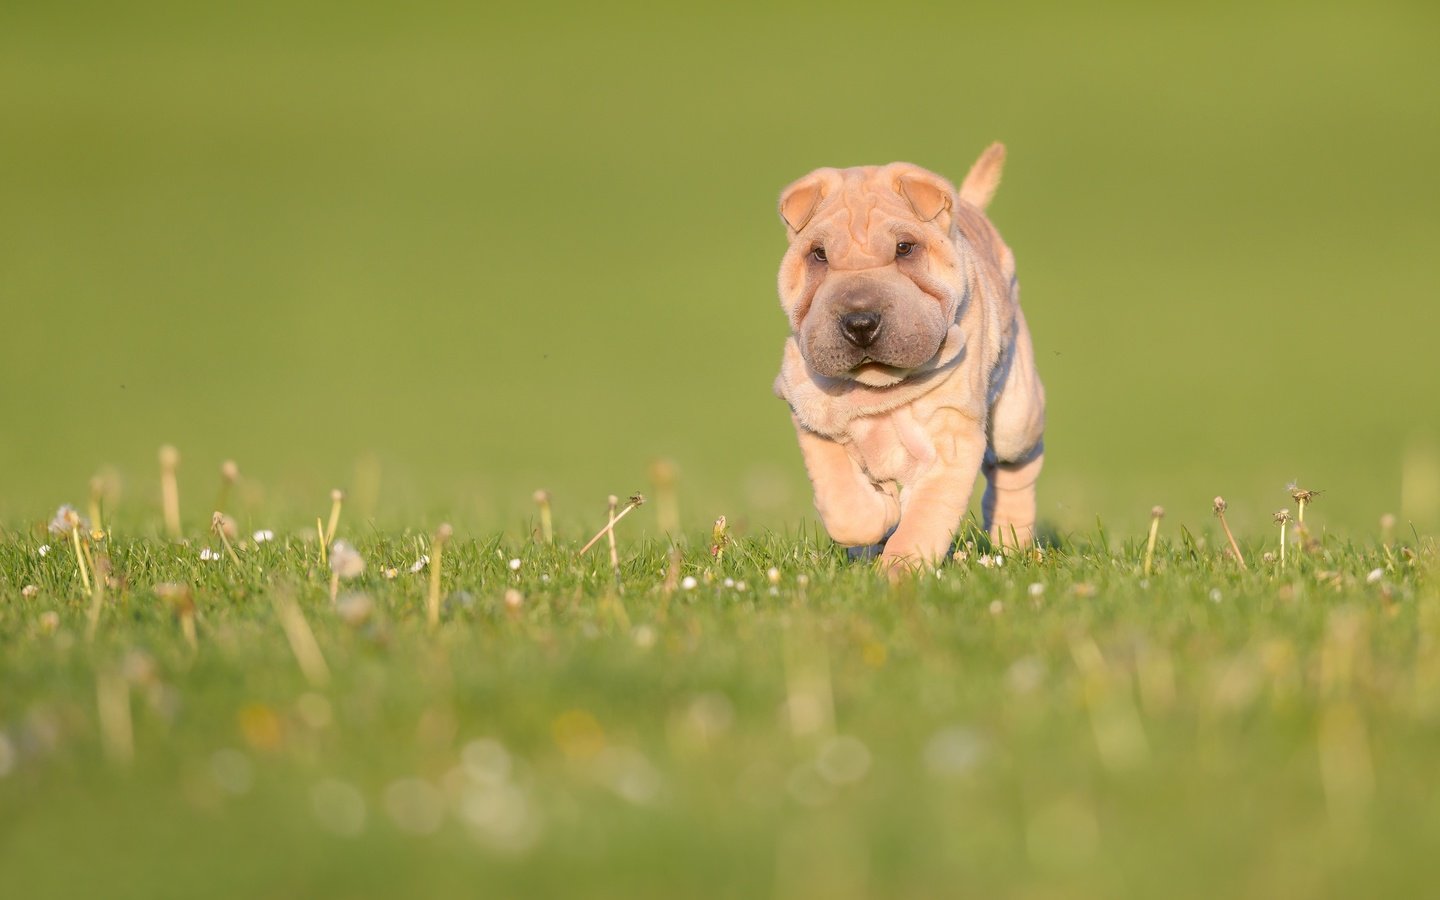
(909, 369)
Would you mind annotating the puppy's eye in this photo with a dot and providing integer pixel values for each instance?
(819, 254)
(903, 248)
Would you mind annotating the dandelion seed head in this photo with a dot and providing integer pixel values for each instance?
(65, 519)
(345, 560)
(1220, 506)
(514, 565)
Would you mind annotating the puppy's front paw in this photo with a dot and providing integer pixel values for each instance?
(897, 566)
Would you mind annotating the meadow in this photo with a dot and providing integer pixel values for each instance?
(441, 256)
(755, 717)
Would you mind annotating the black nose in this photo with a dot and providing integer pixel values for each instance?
(860, 328)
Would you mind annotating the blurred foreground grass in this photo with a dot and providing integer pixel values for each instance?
(496, 248)
(775, 722)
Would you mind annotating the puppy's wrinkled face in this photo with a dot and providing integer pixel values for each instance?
(872, 279)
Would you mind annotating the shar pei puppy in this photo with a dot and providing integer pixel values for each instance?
(909, 367)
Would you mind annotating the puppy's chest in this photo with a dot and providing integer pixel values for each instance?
(894, 446)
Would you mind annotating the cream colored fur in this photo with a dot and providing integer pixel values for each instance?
(894, 450)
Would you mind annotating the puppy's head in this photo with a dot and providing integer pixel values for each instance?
(876, 268)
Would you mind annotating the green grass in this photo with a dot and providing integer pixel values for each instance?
(1058, 726)
(443, 255)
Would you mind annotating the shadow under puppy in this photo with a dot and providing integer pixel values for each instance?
(909, 367)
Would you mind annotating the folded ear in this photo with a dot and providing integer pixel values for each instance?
(927, 194)
(979, 186)
(801, 199)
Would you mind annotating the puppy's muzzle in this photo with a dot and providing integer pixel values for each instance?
(860, 328)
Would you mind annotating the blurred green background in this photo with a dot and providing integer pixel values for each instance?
(487, 248)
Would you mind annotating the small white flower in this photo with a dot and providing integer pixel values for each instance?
(545, 578)
(514, 565)
(1215, 595)
(688, 582)
(996, 607)
(739, 585)
(44, 550)
(729, 582)
(772, 575)
(29, 591)
(987, 561)
(263, 535)
(420, 564)
(1374, 576)
(1037, 589)
(208, 554)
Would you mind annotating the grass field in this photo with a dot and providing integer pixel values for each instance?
(774, 722)
(440, 255)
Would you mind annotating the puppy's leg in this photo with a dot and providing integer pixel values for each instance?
(937, 500)
(855, 511)
(1009, 502)
(1017, 428)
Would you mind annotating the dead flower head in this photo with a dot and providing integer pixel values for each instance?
(1299, 494)
(223, 524)
(1220, 506)
(1282, 517)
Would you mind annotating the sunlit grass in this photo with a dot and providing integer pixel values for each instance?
(773, 719)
